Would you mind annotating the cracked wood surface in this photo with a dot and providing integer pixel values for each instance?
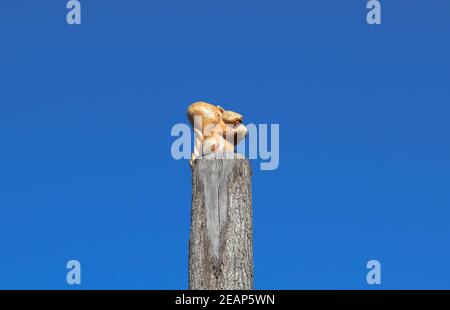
(221, 245)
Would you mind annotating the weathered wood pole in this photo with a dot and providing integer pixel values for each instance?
(221, 241)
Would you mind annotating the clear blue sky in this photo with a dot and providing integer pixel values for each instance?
(86, 112)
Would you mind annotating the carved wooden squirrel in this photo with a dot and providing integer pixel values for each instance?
(216, 130)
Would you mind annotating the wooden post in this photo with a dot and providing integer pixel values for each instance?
(221, 241)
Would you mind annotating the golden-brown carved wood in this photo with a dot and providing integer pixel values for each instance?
(216, 130)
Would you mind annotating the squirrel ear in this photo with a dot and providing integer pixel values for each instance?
(220, 108)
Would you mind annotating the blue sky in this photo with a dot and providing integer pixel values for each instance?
(86, 112)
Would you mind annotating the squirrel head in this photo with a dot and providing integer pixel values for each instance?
(230, 117)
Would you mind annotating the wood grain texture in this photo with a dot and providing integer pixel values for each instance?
(221, 241)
